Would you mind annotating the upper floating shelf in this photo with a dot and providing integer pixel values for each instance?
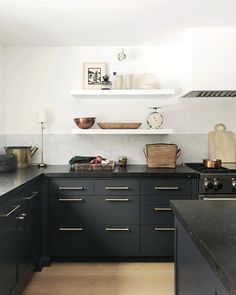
(152, 93)
(122, 131)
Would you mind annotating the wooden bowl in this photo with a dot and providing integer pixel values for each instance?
(119, 125)
(84, 123)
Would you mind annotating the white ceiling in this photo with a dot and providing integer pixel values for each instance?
(106, 22)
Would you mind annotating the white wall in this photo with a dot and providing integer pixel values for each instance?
(214, 58)
(43, 77)
(2, 106)
(38, 77)
(1, 92)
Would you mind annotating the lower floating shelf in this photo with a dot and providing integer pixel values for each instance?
(122, 131)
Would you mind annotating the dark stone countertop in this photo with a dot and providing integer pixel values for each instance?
(12, 180)
(211, 225)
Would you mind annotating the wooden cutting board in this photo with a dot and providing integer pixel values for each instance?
(222, 144)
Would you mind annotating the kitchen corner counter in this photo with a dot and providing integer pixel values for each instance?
(211, 225)
(129, 171)
(12, 180)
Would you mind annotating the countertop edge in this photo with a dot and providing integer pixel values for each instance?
(211, 260)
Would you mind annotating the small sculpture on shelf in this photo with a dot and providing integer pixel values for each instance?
(106, 83)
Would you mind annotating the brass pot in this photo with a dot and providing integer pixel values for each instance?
(23, 154)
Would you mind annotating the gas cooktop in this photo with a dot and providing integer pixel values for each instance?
(226, 168)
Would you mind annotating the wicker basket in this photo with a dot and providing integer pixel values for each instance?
(161, 155)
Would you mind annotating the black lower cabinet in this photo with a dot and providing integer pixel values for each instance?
(8, 250)
(193, 274)
(114, 217)
(19, 238)
(28, 236)
(99, 240)
(157, 240)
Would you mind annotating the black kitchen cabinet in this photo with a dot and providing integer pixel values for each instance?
(20, 238)
(193, 274)
(157, 219)
(112, 217)
(8, 247)
(94, 217)
(28, 233)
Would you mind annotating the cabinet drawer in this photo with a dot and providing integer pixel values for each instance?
(157, 240)
(157, 215)
(163, 200)
(95, 210)
(71, 187)
(107, 240)
(166, 187)
(116, 187)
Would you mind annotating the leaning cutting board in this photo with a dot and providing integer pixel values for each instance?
(222, 144)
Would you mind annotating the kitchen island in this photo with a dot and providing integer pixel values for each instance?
(205, 253)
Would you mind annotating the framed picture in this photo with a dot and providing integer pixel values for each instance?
(93, 73)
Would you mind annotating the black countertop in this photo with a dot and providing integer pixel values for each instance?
(212, 226)
(11, 180)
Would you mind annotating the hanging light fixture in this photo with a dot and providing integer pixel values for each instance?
(121, 55)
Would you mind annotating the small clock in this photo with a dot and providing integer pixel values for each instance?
(155, 119)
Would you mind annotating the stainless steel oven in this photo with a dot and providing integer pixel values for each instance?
(216, 184)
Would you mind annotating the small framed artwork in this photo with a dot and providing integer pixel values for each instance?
(93, 73)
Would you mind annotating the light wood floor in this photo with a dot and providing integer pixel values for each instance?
(103, 279)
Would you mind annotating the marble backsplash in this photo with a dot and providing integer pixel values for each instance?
(59, 148)
(2, 143)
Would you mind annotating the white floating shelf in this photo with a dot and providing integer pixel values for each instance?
(122, 131)
(152, 93)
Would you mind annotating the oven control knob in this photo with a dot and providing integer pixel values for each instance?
(217, 184)
(234, 183)
(208, 184)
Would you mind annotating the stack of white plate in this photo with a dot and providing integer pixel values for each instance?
(149, 81)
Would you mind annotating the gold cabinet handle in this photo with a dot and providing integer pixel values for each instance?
(33, 194)
(163, 209)
(117, 229)
(10, 212)
(21, 216)
(71, 228)
(116, 188)
(71, 200)
(165, 188)
(219, 199)
(117, 199)
(164, 228)
(78, 188)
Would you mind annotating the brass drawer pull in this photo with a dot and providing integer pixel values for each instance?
(22, 216)
(75, 188)
(70, 228)
(164, 228)
(117, 199)
(163, 209)
(219, 199)
(117, 188)
(33, 194)
(71, 200)
(165, 188)
(10, 212)
(117, 229)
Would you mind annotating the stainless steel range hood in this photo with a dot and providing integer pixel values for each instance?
(210, 93)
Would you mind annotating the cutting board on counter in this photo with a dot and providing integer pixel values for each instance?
(222, 144)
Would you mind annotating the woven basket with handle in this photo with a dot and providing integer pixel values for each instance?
(161, 155)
